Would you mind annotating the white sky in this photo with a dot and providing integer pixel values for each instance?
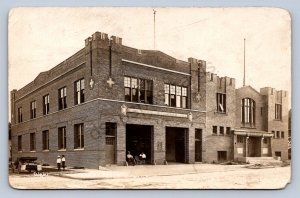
(41, 38)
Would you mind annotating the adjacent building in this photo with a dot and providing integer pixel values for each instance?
(108, 99)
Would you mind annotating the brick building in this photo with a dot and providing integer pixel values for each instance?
(109, 98)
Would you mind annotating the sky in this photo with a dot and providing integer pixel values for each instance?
(41, 38)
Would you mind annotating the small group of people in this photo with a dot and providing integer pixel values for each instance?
(141, 159)
(61, 162)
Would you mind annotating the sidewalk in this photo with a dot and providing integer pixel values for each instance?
(140, 171)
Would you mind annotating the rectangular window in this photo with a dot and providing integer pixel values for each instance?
(32, 141)
(167, 94)
(240, 139)
(33, 109)
(228, 129)
(19, 142)
(45, 139)
(79, 91)
(248, 111)
(221, 130)
(178, 96)
(134, 90)
(175, 96)
(62, 98)
(78, 136)
(138, 90)
(20, 115)
(172, 96)
(274, 135)
(215, 130)
(62, 138)
(110, 132)
(278, 111)
(221, 102)
(184, 97)
(265, 141)
(277, 134)
(46, 104)
(282, 134)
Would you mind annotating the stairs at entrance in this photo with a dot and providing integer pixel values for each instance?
(263, 160)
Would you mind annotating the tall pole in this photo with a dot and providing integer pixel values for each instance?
(244, 82)
(154, 12)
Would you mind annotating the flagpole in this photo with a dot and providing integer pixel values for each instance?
(154, 12)
(244, 81)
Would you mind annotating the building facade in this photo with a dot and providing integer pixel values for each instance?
(108, 99)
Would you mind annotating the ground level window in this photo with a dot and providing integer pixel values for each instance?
(62, 139)
(19, 142)
(32, 141)
(78, 136)
(45, 140)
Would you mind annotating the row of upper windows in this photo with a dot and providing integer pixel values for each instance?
(278, 134)
(221, 130)
(141, 91)
(62, 101)
(62, 139)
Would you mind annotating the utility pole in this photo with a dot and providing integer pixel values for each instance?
(244, 82)
(154, 12)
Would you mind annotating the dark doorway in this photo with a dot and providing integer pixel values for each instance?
(222, 156)
(176, 144)
(254, 147)
(138, 140)
(110, 142)
(198, 145)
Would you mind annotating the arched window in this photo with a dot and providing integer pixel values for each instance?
(248, 111)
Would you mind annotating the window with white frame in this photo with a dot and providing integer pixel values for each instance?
(33, 109)
(138, 90)
(62, 98)
(46, 104)
(175, 96)
(79, 91)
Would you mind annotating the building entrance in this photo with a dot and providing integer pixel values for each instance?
(254, 147)
(177, 144)
(139, 138)
(198, 145)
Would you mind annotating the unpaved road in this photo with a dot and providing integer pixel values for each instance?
(236, 178)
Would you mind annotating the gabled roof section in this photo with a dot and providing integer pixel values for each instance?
(249, 87)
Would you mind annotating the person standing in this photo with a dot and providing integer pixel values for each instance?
(63, 162)
(58, 162)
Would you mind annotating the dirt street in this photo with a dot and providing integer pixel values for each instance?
(151, 177)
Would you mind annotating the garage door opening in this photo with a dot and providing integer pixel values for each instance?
(176, 144)
(139, 139)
